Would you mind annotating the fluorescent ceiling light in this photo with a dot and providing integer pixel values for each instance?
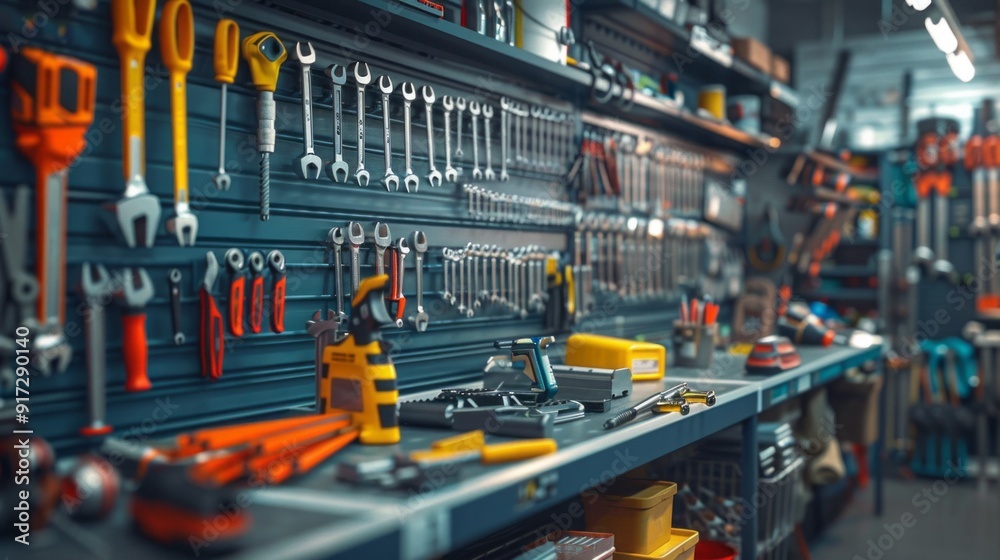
(942, 34)
(919, 5)
(961, 65)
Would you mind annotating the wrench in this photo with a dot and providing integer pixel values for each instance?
(337, 167)
(469, 283)
(390, 180)
(474, 110)
(434, 176)
(504, 146)
(460, 105)
(309, 164)
(95, 283)
(356, 237)
(450, 173)
(410, 179)
(279, 281)
(460, 288)
(335, 241)
(487, 132)
(362, 77)
(226, 58)
(136, 291)
(399, 250)
(174, 279)
(418, 241)
(446, 294)
(177, 51)
(256, 260)
(237, 288)
(382, 239)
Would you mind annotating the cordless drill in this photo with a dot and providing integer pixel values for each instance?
(358, 376)
(530, 354)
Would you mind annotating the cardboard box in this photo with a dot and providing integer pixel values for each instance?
(754, 52)
(780, 69)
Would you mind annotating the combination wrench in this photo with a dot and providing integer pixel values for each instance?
(419, 243)
(356, 237)
(410, 179)
(489, 174)
(382, 239)
(475, 110)
(335, 241)
(504, 147)
(95, 283)
(434, 176)
(450, 173)
(309, 164)
(460, 106)
(362, 77)
(334, 169)
(390, 180)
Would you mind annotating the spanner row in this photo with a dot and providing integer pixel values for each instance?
(484, 204)
(536, 137)
(478, 276)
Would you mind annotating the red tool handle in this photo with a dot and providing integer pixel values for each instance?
(212, 339)
(278, 305)
(136, 351)
(237, 289)
(257, 304)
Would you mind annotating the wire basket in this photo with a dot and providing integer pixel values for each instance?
(709, 500)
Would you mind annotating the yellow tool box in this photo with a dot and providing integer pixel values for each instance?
(647, 360)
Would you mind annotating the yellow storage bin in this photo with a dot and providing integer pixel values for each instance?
(679, 547)
(647, 360)
(637, 512)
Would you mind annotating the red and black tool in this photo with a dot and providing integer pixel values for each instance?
(212, 336)
(136, 291)
(256, 259)
(237, 290)
(276, 261)
(397, 266)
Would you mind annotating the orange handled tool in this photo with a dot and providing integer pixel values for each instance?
(177, 51)
(52, 107)
(276, 261)
(256, 292)
(226, 63)
(237, 290)
(136, 291)
(212, 337)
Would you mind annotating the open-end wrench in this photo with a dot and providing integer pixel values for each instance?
(338, 167)
(418, 241)
(276, 262)
(256, 261)
(535, 159)
(237, 290)
(460, 106)
(95, 283)
(174, 280)
(362, 77)
(308, 165)
(356, 237)
(226, 58)
(177, 52)
(450, 173)
(504, 144)
(489, 174)
(433, 176)
(410, 179)
(475, 110)
(399, 251)
(381, 239)
(335, 242)
(390, 180)
(136, 291)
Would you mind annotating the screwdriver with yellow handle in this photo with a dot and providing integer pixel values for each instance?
(177, 51)
(226, 58)
(265, 54)
(471, 447)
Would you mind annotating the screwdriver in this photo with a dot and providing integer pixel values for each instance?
(648, 404)
(226, 64)
(265, 54)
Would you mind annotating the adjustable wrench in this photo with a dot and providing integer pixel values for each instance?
(136, 291)
(399, 251)
(382, 239)
(474, 110)
(434, 176)
(276, 261)
(174, 279)
(460, 105)
(335, 242)
(450, 173)
(95, 283)
(356, 237)
(309, 164)
(489, 174)
(410, 179)
(237, 290)
(418, 241)
(256, 260)
(362, 77)
(504, 145)
(390, 180)
(338, 167)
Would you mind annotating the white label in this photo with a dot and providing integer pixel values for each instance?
(646, 365)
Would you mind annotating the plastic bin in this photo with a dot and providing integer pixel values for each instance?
(637, 512)
(714, 550)
(680, 546)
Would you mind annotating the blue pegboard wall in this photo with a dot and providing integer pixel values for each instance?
(267, 373)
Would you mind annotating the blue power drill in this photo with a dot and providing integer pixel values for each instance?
(530, 353)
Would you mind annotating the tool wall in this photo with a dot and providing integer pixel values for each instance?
(270, 371)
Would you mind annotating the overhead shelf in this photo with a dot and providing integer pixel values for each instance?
(647, 24)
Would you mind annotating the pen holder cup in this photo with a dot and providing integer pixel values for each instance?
(694, 345)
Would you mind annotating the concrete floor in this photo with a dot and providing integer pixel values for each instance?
(924, 519)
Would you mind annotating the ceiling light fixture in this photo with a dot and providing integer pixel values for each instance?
(919, 5)
(947, 36)
(942, 34)
(961, 65)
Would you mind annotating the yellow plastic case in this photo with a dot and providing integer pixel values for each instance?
(637, 512)
(679, 547)
(648, 361)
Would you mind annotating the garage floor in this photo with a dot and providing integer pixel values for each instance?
(949, 521)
